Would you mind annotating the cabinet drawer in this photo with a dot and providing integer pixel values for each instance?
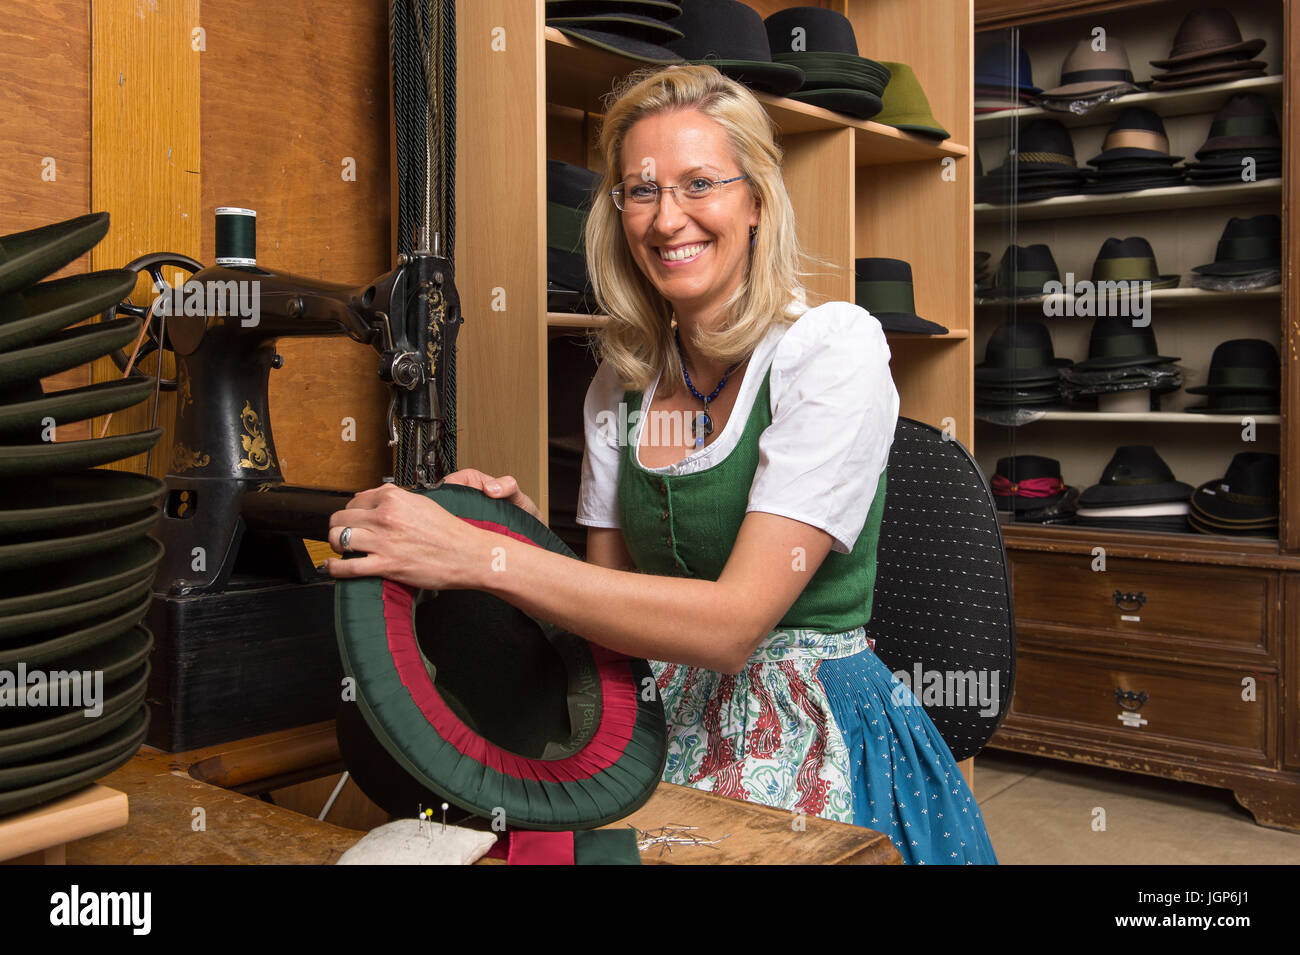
(1214, 606)
(1162, 708)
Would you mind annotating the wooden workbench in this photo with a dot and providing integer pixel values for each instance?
(176, 818)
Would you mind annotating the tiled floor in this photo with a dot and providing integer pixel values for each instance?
(1046, 811)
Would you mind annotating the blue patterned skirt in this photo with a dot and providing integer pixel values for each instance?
(817, 724)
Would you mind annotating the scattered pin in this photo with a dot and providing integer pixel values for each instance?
(444, 817)
(429, 834)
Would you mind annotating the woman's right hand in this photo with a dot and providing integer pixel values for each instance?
(503, 487)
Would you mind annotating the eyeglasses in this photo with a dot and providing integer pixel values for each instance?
(645, 194)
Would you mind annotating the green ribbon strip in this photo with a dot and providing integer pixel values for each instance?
(1032, 279)
(1125, 269)
(1243, 126)
(1259, 377)
(565, 228)
(1248, 249)
(886, 297)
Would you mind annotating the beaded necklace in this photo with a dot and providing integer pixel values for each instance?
(702, 421)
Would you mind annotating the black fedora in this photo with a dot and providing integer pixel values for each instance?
(884, 288)
(1045, 146)
(993, 69)
(1246, 494)
(1242, 366)
(1246, 246)
(1024, 270)
(1238, 403)
(1130, 260)
(729, 36)
(1116, 343)
(1026, 482)
(1135, 474)
(1019, 352)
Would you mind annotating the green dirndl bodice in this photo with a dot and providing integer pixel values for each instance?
(815, 723)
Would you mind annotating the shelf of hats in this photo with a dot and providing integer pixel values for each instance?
(1128, 294)
(870, 101)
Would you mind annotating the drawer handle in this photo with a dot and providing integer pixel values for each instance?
(1138, 598)
(1130, 699)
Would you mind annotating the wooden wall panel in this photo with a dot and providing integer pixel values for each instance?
(145, 159)
(289, 91)
(45, 133)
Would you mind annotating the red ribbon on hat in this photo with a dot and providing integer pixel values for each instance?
(1029, 487)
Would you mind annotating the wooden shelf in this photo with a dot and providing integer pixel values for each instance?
(1161, 417)
(1171, 197)
(579, 75)
(1201, 99)
(1177, 296)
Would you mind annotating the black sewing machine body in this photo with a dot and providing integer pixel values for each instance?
(227, 506)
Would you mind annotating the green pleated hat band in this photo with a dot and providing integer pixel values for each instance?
(1033, 279)
(1019, 357)
(1243, 126)
(1125, 268)
(1247, 249)
(565, 228)
(1120, 346)
(1256, 377)
(886, 297)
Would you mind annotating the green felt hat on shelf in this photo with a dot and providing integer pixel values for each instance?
(462, 695)
(905, 104)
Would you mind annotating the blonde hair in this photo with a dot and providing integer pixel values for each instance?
(637, 340)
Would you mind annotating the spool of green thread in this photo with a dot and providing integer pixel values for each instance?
(236, 237)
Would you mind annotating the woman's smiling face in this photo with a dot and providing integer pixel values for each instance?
(695, 251)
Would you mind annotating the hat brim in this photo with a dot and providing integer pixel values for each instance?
(49, 307)
(624, 46)
(1238, 268)
(1091, 88)
(1000, 83)
(27, 257)
(1221, 509)
(858, 103)
(1123, 361)
(1154, 156)
(1232, 143)
(1111, 186)
(918, 126)
(1239, 68)
(608, 769)
(1246, 48)
(1020, 375)
(904, 322)
(778, 79)
(1102, 495)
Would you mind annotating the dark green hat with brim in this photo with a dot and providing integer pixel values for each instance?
(1246, 246)
(1130, 260)
(617, 43)
(1242, 366)
(27, 257)
(884, 288)
(1116, 343)
(1017, 353)
(41, 310)
(906, 106)
(631, 25)
(492, 709)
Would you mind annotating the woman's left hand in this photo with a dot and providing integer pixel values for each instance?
(407, 538)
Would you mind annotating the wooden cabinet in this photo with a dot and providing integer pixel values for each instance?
(1170, 654)
(858, 189)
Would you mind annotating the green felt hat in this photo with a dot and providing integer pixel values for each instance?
(67, 349)
(27, 257)
(43, 647)
(906, 106)
(60, 500)
(66, 613)
(32, 313)
(489, 707)
(41, 547)
(67, 725)
(49, 457)
(857, 103)
(59, 765)
(73, 404)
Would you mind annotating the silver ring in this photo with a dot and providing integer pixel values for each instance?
(345, 539)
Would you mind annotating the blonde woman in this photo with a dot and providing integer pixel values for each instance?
(732, 486)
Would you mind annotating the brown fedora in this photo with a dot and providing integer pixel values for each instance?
(1087, 71)
(1205, 33)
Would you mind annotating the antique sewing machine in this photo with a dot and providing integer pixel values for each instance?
(242, 619)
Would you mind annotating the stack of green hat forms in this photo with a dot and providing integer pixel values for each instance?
(76, 561)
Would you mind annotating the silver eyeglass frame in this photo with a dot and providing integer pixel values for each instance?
(616, 194)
